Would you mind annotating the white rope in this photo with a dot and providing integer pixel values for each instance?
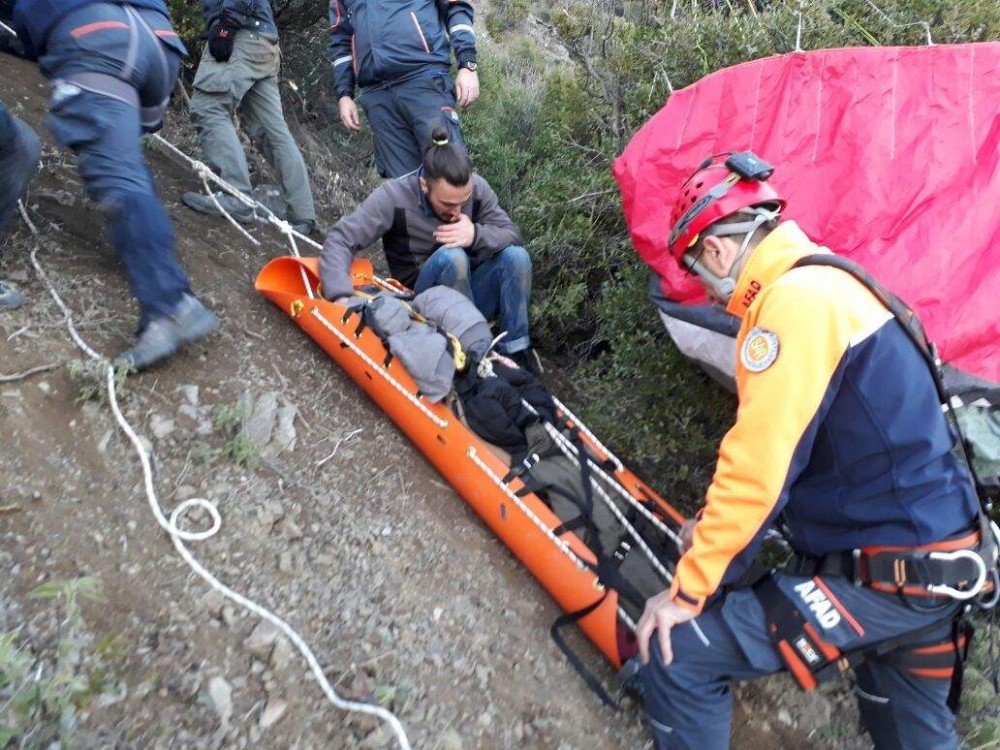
(798, 30)
(522, 506)
(290, 234)
(888, 19)
(178, 536)
(218, 207)
(570, 451)
(586, 431)
(628, 496)
(27, 219)
(206, 173)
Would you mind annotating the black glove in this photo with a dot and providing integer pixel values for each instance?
(221, 37)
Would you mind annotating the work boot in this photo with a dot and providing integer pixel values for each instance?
(302, 226)
(526, 359)
(629, 679)
(204, 204)
(164, 335)
(10, 298)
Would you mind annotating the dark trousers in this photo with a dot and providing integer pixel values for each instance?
(403, 115)
(104, 130)
(689, 703)
(19, 152)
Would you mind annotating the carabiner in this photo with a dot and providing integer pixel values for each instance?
(954, 593)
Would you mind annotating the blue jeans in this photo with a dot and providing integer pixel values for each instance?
(19, 152)
(689, 703)
(105, 131)
(500, 284)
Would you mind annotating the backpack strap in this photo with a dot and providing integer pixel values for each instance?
(915, 331)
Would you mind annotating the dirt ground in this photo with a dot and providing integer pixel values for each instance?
(400, 590)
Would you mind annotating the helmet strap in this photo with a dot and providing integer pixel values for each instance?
(724, 286)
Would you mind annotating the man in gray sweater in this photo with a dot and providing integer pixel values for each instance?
(441, 225)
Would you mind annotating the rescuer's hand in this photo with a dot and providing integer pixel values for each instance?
(661, 615)
(349, 113)
(466, 87)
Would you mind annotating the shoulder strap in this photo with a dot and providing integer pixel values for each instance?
(915, 331)
(899, 309)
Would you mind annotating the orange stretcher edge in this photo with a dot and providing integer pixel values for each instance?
(452, 448)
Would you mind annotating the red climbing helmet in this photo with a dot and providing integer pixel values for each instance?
(722, 185)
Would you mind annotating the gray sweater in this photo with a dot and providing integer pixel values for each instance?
(398, 213)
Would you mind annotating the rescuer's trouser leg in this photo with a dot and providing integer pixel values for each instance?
(689, 703)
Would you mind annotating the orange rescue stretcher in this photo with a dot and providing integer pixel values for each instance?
(525, 524)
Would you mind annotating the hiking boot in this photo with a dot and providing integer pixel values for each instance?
(204, 204)
(527, 359)
(302, 226)
(163, 336)
(10, 298)
(629, 678)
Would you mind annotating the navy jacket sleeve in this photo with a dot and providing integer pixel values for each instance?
(8, 133)
(341, 49)
(457, 16)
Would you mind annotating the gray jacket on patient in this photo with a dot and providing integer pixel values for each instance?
(398, 213)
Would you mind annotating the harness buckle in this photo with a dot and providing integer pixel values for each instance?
(856, 567)
(960, 554)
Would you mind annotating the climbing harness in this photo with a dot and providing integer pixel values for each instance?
(963, 569)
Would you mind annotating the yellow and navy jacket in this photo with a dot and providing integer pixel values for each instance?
(839, 428)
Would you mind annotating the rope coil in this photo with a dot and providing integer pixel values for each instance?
(179, 536)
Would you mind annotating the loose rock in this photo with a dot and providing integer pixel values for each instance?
(261, 641)
(213, 602)
(160, 426)
(272, 713)
(190, 393)
(281, 655)
(221, 694)
(260, 424)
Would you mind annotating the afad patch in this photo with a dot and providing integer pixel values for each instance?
(760, 349)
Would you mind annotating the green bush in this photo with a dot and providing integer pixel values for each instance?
(545, 135)
(188, 22)
(42, 695)
(506, 16)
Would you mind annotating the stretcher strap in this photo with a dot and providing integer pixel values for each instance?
(571, 618)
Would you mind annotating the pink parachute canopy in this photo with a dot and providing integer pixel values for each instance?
(887, 155)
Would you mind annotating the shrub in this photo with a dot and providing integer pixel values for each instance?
(188, 22)
(545, 135)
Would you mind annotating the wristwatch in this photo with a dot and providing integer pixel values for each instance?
(471, 65)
